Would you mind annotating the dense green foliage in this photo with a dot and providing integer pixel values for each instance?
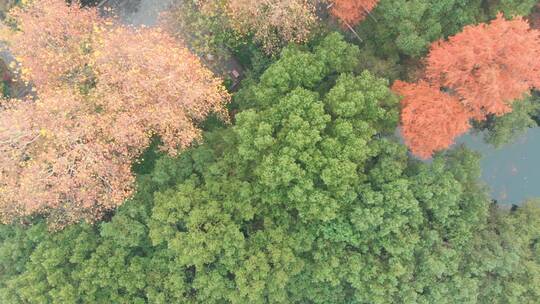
(407, 27)
(511, 8)
(507, 128)
(403, 27)
(507, 251)
(306, 199)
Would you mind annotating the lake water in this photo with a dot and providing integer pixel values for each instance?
(511, 171)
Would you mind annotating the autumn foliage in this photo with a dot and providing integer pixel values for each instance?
(104, 91)
(430, 118)
(488, 66)
(54, 41)
(485, 68)
(273, 23)
(352, 12)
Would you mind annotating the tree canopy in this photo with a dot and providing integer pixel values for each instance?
(404, 27)
(272, 23)
(352, 12)
(103, 92)
(474, 75)
(306, 199)
(488, 65)
(305, 194)
(501, 130)
(408, 27)
(430, 119)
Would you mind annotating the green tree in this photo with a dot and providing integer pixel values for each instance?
(507, 256)
(511, 8)
(403, 27)
(504, 129)
(305, 202)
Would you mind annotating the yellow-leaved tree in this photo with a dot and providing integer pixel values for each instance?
(103, 91)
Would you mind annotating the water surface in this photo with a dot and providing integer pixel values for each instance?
(512, 170)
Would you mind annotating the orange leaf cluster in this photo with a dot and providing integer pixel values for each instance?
(352, 12)
(53, 45)
(103, 91)
(482, 70)
(430, 118)
(488, 66)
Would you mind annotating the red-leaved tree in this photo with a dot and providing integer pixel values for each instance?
(430, 119)
(103, 92)
(481, 71)
(352, 12)
(488, 66)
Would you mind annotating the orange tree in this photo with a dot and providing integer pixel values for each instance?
(352, 12)
(103, 92)
(430, 118)
(488, 65)
(485, 68)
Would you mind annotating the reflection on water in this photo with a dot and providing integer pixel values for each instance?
(512, 170)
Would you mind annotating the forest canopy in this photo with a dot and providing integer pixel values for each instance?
(301, 194)
(133, 174)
